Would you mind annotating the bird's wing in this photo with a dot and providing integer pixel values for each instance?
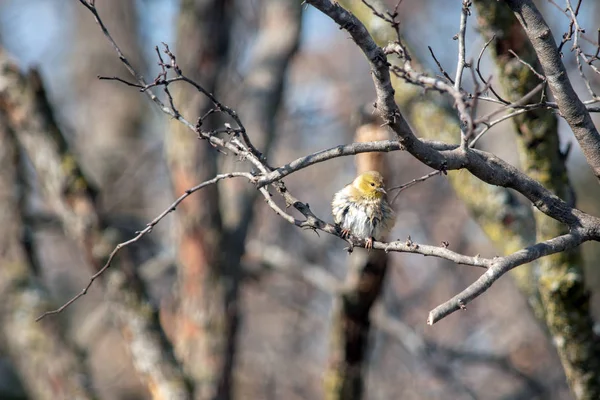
(389, 217)
(341, 204)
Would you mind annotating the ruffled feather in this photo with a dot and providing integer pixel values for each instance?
(364, 217)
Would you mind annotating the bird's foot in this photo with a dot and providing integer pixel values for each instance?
(369, 243)
(345, 233)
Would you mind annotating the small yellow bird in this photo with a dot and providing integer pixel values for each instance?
(361, 208)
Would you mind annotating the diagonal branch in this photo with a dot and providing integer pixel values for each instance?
(500, 266)
(571, 107)
(562, 301)
(328, 154)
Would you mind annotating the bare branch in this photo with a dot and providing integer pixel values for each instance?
(324, 155)
(442, 70)
(540, 76)
(413, 182)
(494, 123)
(501, 265)
(516, 104)
(478, 70)
(407, 73)
(116, 78)
(550, 105)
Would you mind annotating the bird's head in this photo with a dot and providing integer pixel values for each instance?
(370, 184)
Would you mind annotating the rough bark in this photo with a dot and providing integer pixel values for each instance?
(561, 281)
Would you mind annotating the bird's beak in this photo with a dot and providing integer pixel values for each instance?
(382, 190)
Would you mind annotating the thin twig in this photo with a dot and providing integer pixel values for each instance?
(413, 182)
(515, 104)
(540, 76)
(442, 70)
(142, 233)
(550, 105)
(493, 123)
(478, 70)
(115, 78)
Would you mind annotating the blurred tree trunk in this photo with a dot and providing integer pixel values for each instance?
(113, 139)
(210, 249)
(48, 366)
(345, 378)
(258, 107)
(68, 193)
(201, 321)
(561, 281)
(109, 116)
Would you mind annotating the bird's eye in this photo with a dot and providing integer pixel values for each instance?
(372, 184)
